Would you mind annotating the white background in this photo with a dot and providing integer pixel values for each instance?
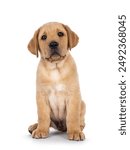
(96, 55)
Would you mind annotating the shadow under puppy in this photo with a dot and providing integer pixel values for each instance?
(59, 103)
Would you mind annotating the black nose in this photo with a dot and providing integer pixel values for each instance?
(53, 45)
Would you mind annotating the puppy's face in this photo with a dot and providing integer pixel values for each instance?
(53, 41)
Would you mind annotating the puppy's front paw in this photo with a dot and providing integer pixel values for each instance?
(76, 136)
(37, 134)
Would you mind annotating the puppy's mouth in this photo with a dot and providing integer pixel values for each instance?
(54, 57)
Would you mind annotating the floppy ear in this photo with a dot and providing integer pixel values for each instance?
(33, 45)
(72, 37)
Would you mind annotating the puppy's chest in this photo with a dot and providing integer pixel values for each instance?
(55, 75)
(57, 100)
(57, 94)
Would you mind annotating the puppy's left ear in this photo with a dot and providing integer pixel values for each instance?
(33, 45)
(72, 37)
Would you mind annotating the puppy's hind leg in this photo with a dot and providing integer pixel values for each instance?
(31, 128)
(61, 126)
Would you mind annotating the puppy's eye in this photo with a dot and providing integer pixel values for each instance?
(44, 37)
(60, 34)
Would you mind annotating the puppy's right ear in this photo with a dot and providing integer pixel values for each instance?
(33, 45)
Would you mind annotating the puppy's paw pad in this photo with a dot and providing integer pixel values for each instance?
(79, 136)
(37, 134)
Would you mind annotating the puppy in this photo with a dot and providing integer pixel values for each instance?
(59, 103)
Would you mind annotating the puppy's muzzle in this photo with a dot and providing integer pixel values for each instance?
(53, 45)
(54, 52)
(54, 48)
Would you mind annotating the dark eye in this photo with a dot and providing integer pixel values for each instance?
(60, 34)
(44, 37)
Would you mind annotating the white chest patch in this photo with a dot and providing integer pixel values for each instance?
(57, 98)
(55, 76)
(60, 88)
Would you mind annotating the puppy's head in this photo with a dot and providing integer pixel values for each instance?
(53, 40)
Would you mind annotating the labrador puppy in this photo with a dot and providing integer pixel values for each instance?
(59, 103)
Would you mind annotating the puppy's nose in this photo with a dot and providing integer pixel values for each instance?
(53, 45)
